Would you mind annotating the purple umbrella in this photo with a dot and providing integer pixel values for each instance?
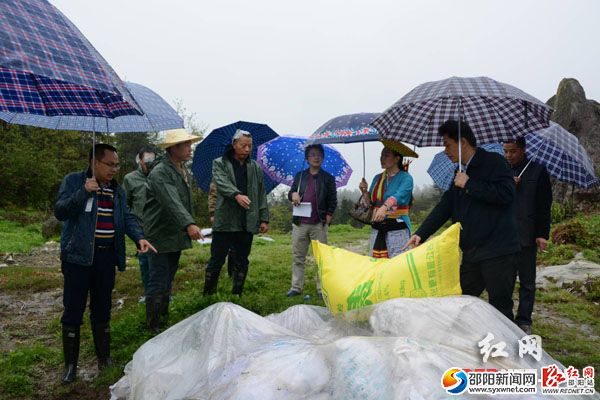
(283, 157)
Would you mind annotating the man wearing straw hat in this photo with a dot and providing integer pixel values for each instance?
(241, 211)
(169, 221)
(534, 200)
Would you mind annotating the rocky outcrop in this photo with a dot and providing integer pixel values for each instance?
(581, 117)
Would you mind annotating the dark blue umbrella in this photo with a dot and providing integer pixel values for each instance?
(442, 169)
(215, 143)
(282, 157)
(158, 116)
(47, 66)
(563, 156)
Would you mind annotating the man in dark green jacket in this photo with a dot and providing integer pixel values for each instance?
(134, 184)
(168, 219)
(241, 211)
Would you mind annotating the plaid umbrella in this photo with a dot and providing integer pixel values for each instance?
(495, 111)
(158, 116)
(47, 66)
(282, 157)
(442, 169)
(346, 129)
(215, 143)
(563, 156)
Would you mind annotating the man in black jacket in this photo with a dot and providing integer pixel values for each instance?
(534, 199)
(482, 199)
(316, 187)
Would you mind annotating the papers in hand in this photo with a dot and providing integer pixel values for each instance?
(304, 209)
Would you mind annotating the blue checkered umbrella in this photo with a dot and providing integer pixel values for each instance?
(496, 111)
(158, 116)
(442, 169)
(283, 157)
(562, 155)
(215, 143)
(47, 66)
(346, 129)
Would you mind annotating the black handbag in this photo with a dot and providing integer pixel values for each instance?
(362, 211)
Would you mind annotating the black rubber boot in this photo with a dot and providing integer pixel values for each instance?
(101, 333)
(71, 340)
(153, 304)
(238, 283)
(211, 279)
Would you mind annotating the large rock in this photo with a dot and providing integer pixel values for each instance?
(561, 275)
(581, 117)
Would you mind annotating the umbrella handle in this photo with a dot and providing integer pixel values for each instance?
(364, 163)
(524, 169)
(459, 142)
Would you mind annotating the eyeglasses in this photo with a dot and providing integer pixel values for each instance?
(111, 165)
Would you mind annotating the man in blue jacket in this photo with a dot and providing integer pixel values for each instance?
(482, 199)
(94, 210)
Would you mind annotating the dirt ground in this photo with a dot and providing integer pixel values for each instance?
(25, 319)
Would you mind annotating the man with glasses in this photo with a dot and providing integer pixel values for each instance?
(316, 187)
(240, 212)
(96, 219)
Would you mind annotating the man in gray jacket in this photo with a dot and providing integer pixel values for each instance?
(241, 211)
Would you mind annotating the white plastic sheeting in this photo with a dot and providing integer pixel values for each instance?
(398, 349)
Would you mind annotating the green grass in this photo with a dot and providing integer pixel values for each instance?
(16, 238)
(22, 370)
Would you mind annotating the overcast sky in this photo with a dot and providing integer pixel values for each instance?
(296, 64)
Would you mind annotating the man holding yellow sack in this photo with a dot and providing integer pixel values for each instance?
(482, 199)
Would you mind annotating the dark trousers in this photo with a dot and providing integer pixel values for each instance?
(525, 269)
(144, 268)
(496, 276)
(97, 279)
(239, 242)
(162, 269)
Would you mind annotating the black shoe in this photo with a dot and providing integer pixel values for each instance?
(71, 340)
(153, 305)
(101, 334)
(293, 292)
(211, 279)
(238, 283)
(525, 328)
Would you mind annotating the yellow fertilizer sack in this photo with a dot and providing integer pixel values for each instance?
(350, 281)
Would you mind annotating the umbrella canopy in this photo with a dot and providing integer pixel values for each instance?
(495, 111)
(563, 156)
(283, 157)
(442, 168)
(47, 66)
(215, 143)
(158, 116)
(346, 129)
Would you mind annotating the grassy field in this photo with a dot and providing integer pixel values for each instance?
(30, 307)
